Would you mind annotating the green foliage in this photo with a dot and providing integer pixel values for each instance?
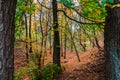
(91, 9)
(31, 72)
(23, 7)
(109, 1)
(103, 2)
(19, 9)
(18, 75)
(50, 72)
(68, 3)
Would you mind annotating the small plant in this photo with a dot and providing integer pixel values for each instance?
(31, 72)
(19, 75)
(50, 72)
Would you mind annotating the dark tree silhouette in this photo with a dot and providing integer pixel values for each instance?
(112, 42)
(56, 42)
(7, 27)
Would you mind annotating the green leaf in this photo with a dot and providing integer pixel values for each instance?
(85, 14)
(103, 2)
(111, 1)
(68, 3)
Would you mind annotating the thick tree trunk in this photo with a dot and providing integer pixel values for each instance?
(7, 12)
(56, 49)
(112, 43)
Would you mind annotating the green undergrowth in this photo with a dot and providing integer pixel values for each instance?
(49, 72)
(27, 72)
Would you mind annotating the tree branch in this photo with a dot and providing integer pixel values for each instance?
(79, 21)
(81, 14)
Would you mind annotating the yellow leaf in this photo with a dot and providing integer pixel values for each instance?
(98, 12)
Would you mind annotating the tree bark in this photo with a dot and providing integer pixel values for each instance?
(26, 45)
(56, 42)
(7, 27)
(112, 43)
(65, 44)
(30, 25)
(61, 44)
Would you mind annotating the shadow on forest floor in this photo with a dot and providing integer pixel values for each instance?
(91, 66)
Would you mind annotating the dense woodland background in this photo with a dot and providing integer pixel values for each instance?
(59, 40)
(74, 26)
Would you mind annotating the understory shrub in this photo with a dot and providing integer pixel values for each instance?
(50, 71)
(27, 72)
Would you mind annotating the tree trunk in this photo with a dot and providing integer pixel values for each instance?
(112, 43)
(56, 49)
(50, 43)
(30, 36)
(97, 43)
(61, 44)
(73, 42)
(65, 44)
(26, 45)
(82, 45)
(35, 24)
(96, 40)
(7, 27)
(42, 40)
(71, 34)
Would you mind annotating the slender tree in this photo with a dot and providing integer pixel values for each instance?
(26, 34)
(30, 26)
(65, 45)
(7, 27)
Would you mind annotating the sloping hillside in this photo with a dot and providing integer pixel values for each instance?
(91, 67)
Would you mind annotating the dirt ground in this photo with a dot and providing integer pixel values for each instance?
(91, 66)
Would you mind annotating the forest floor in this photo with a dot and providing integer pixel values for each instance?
(91, 66)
